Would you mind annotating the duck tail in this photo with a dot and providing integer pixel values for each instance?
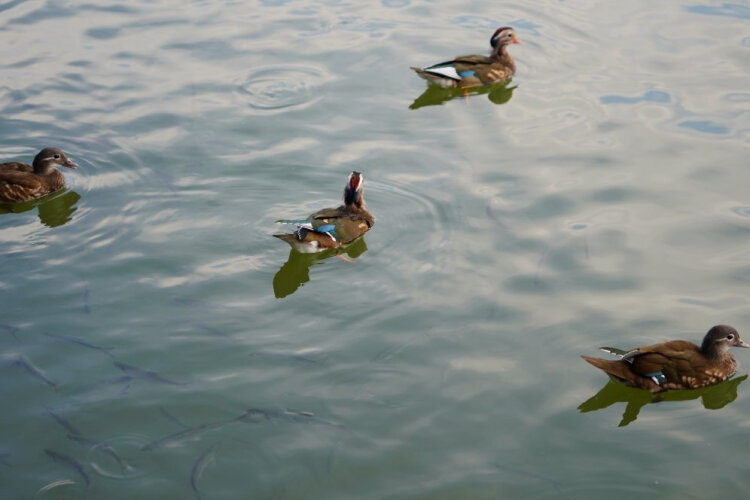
(617, 369)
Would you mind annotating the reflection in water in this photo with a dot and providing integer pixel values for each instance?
(714, 397)
(499, 93)
(296, 270)
(54, 210)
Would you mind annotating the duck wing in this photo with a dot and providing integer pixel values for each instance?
(677, 364)
(16, 166)
(458, 68)
(343, 224)
(19, 186)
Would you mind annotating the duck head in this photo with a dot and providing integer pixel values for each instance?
(502, 38)
(354, 190)
(49, 158)
(719, 339)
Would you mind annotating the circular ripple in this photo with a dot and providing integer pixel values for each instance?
(121, 457)
(275, 88)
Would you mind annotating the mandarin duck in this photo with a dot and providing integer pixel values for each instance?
(22, 182)
(333, 227)
(476, 70)
(677, 364)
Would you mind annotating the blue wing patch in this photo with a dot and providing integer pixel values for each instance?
(465, 73)
(328, 228)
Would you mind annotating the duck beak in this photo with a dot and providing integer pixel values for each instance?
(516, 40)
(743, 344)
(70, 164)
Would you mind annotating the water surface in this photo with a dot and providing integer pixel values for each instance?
(156, 338)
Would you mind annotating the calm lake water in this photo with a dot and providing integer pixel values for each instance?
(157, 342)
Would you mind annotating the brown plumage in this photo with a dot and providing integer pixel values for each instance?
(476, 70)
(22, 182)
(333, 227)
(677, 364)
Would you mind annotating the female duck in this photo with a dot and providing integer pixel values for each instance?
(476, 70)
(22, 182)
(677, 364)
(333, 227)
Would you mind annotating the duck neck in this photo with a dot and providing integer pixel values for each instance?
(714, 350)
(43, 168)
(502, 55)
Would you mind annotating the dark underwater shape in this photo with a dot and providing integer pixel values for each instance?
(136, 372)
(498, 93)
(200, 464)
(69, 461)
(252, 415)
(86, 302)
(64, 422)
(12, 330)
(27, 365)
(106, 448)
(713, 397)
(190, 431)
(78, 341)
(255, 415)
(296, 270)
(172, 418)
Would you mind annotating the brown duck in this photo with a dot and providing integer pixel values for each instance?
(333, 227)
(677, 364)
(22, 182)
(476, 70)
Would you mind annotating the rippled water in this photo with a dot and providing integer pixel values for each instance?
(155, 339)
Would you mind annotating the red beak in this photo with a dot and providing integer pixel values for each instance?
(516, 40)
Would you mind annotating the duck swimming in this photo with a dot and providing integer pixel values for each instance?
(476, 70)
(333, 227)
(677, 364)
(22, 182)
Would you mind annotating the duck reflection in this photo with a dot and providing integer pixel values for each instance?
(296, 270)
(713, 397)
(54, 210)
(498, 93)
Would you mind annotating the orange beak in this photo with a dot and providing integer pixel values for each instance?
(516, 40)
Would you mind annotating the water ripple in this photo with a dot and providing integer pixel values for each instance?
(275, 88)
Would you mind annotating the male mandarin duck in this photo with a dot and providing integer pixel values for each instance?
(476, 70)
(677, 364)
(333, 227)
(22, 182)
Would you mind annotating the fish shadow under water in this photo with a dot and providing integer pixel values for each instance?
(713, 397)
(498, 93)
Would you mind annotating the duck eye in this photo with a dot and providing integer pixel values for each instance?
(730, 337)
(57, 157)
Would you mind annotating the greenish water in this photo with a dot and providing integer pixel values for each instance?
(158, 342)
